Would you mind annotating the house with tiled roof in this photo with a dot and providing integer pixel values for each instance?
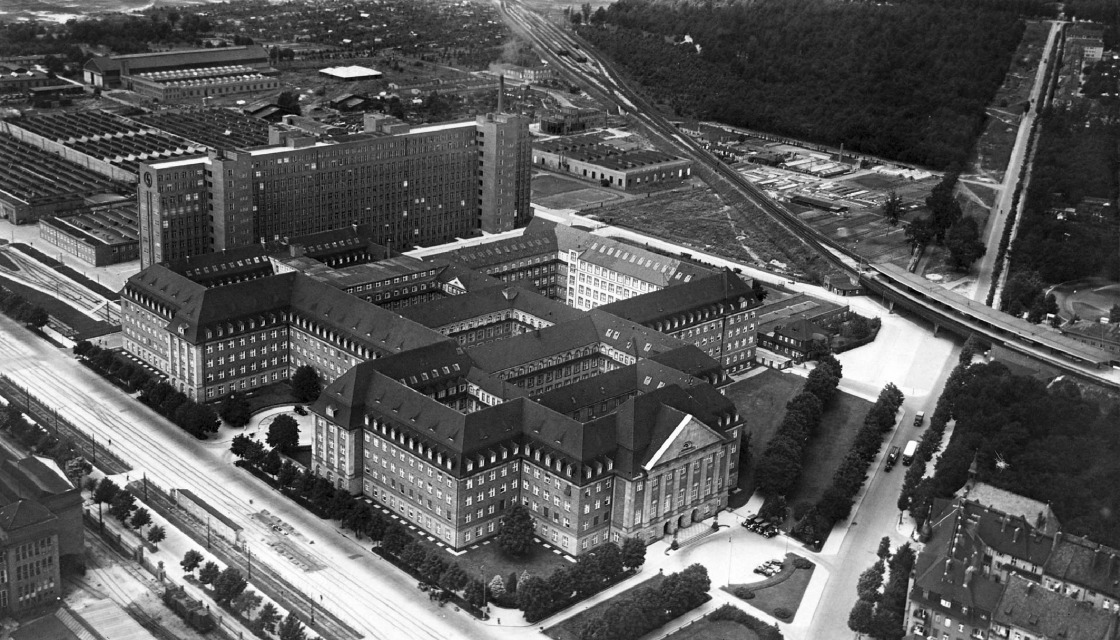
(1026, 610)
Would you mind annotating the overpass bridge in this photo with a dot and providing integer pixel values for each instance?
(963, 316)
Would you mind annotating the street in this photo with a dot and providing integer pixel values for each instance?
(998, 218)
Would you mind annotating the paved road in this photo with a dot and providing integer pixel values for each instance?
(998, 218)
(363, 591)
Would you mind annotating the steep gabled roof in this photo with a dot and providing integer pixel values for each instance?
(725, 287)
(1046, 614)
(23, 513)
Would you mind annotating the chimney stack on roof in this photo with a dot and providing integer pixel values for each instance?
(1002, 523)
(501, 91)
(1015, 535)
(1054, 544)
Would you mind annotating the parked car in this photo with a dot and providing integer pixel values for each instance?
(919, 418)
(300, 410)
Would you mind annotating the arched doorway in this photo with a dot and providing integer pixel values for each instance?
(696, 515)
(684, 520)
(669, 529)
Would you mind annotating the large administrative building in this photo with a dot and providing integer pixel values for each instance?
(452, 394)
(421, 186)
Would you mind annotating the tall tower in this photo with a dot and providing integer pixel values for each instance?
(505, 161)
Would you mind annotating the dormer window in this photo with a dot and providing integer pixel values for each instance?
(331, 411)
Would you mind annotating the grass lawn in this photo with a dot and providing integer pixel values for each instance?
(549, 185)
(703, 629)
(783, 591)
(571, 628)
(763, 398)
(839, 424)
(273, 395)
(488, 560)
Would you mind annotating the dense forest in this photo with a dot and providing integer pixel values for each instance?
(907, 80)
(1074, 161)
(1049, 444)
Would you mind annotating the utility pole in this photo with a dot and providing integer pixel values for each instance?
(208, 532)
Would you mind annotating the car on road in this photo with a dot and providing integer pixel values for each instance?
(892, 457)
(908, 453)
(919, 418)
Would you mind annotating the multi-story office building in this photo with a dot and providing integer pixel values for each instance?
(40, 531)
(716, 313)
(607, 271)
(417, 186)
(448, 446)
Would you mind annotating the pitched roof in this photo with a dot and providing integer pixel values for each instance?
(1083, 562)
(493, 299)
(801, 330)
(23, 513)
(724, 287)
(1038, 514)
(1045, 614)
(948, 568)
(639, 263)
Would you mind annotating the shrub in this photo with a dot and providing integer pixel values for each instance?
(743, 593)
(802, 563)
(782, 613)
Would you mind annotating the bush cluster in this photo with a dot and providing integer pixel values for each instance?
(735, 614)
(44, 443)
(780, 464)
(648, 608)
(883, 616)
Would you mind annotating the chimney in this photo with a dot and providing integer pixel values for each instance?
(1002, 523)
(1054, 544)
(1015, 535)
(1030, 587)
(968, 575)
(501, 91)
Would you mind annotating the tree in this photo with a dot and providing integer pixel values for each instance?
(191, 560)
(859, 620)
(288, 102)
(608, 558)
(106, 490)
(283, 433)
(209, 573)
(272, 465)
(496, 587)
(267, 618)
(759, 291)
(870, 581)
(140, 519)
(453, 578)
(516, 534)
(197, 419)
(157, 534)
(474, 593)
(291, 629)
(36, 317)
(963, 242)
(633, 553)
(306, 385)
(511, 582)
(228, 585)
(919, 232)
(287, 474)
(884, 548)
(240, 445)
(535, 598)
(235, 410)
(892, 208)
(124, 503)
(246, 602)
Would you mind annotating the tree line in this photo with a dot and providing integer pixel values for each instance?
(195, 418)
(42, 442)
(230, 590)
(779, 466)
(908, 81)
(648, 608)
(947, 225)
(837, 501)
(123, 507)
(1047, 442)
(882, 614)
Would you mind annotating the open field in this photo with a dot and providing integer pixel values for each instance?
(697, 218)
